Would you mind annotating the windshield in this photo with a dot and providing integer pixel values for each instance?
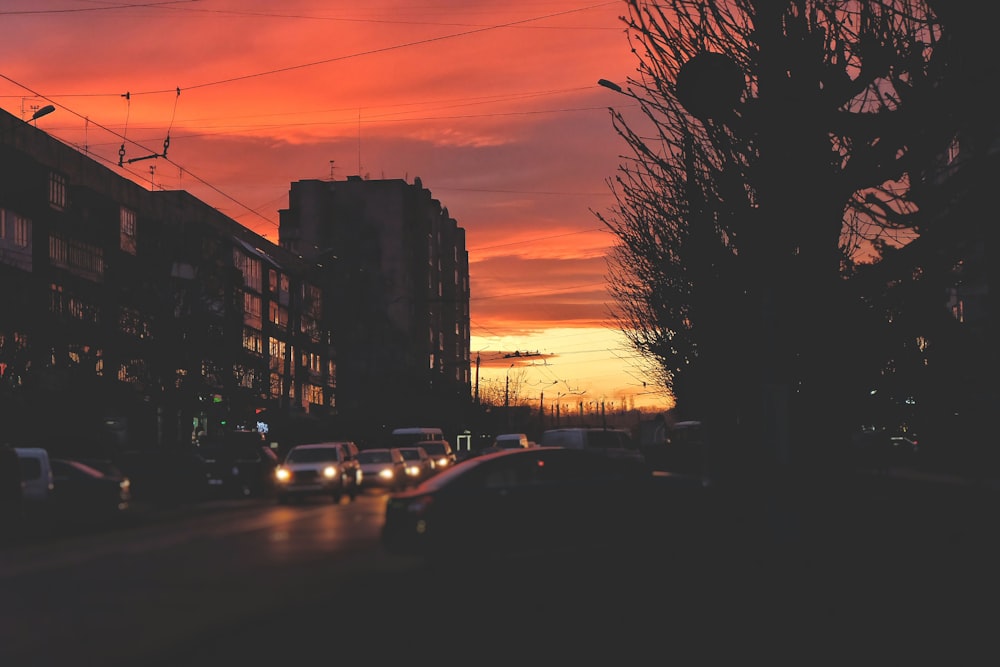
(410, 454)
(312, 455)
(436, 448)
(375, 456)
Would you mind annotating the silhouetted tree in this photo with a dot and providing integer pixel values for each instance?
(783, 144)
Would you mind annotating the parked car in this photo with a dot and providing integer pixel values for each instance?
(419, 465)
(83, 494)
(440, 451)
(327, 468)
(511, 500)
(382, 467)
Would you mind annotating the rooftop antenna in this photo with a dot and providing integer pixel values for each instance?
(359, 140)
(331, 169)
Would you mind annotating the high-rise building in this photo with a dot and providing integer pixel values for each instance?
(398, 276)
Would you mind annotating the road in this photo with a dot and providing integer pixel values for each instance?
(889, 572)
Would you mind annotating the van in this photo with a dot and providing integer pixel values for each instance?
(511, 441)
(614, 441)
(36, 475)
(409, 436)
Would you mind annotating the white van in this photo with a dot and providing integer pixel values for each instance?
(36, 475)
(407, 437)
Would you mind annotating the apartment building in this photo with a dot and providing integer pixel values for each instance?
(399, 273)
(131, 318)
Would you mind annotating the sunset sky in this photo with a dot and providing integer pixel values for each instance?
(494, 106)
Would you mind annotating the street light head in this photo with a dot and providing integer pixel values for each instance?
(44, 111)
(610, 84)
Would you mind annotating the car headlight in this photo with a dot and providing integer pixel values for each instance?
(385, 473)
(330, 472)
(282, 474)
(413, 471)
(442, 462)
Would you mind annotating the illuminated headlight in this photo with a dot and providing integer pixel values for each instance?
(413, 471)
(282, 474)
(442, 462)
(330, 472)
(124, 485)
(385, 473)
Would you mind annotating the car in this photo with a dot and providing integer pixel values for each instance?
(318, 469)
(83, 494)
(440, 451)
(419, 465)
(237, 464)
(539, 498)
(382, 467)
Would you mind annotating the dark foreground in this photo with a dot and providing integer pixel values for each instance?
(868, 571)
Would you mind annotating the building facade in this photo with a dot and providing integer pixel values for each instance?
(133, 319)
(398, 271)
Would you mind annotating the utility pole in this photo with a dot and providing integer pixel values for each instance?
(478, 361)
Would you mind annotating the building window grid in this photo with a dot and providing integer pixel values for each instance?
(314, 394)
(252, 340)
(57, 190)
(58, 251)
(278, 315)
(250, 267)
(57, 300)
(22, 230)
(251, 305)
(132, 322)
(82, 310)
(132, 371)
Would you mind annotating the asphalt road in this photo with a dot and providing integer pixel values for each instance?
(873, 571)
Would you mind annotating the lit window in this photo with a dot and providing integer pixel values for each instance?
(127, 230)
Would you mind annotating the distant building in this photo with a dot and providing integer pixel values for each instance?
(398, 275)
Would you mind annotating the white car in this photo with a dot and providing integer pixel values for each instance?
(383, 467)
(327, 468)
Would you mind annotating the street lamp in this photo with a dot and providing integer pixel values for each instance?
(610, 84)
(44, 111)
